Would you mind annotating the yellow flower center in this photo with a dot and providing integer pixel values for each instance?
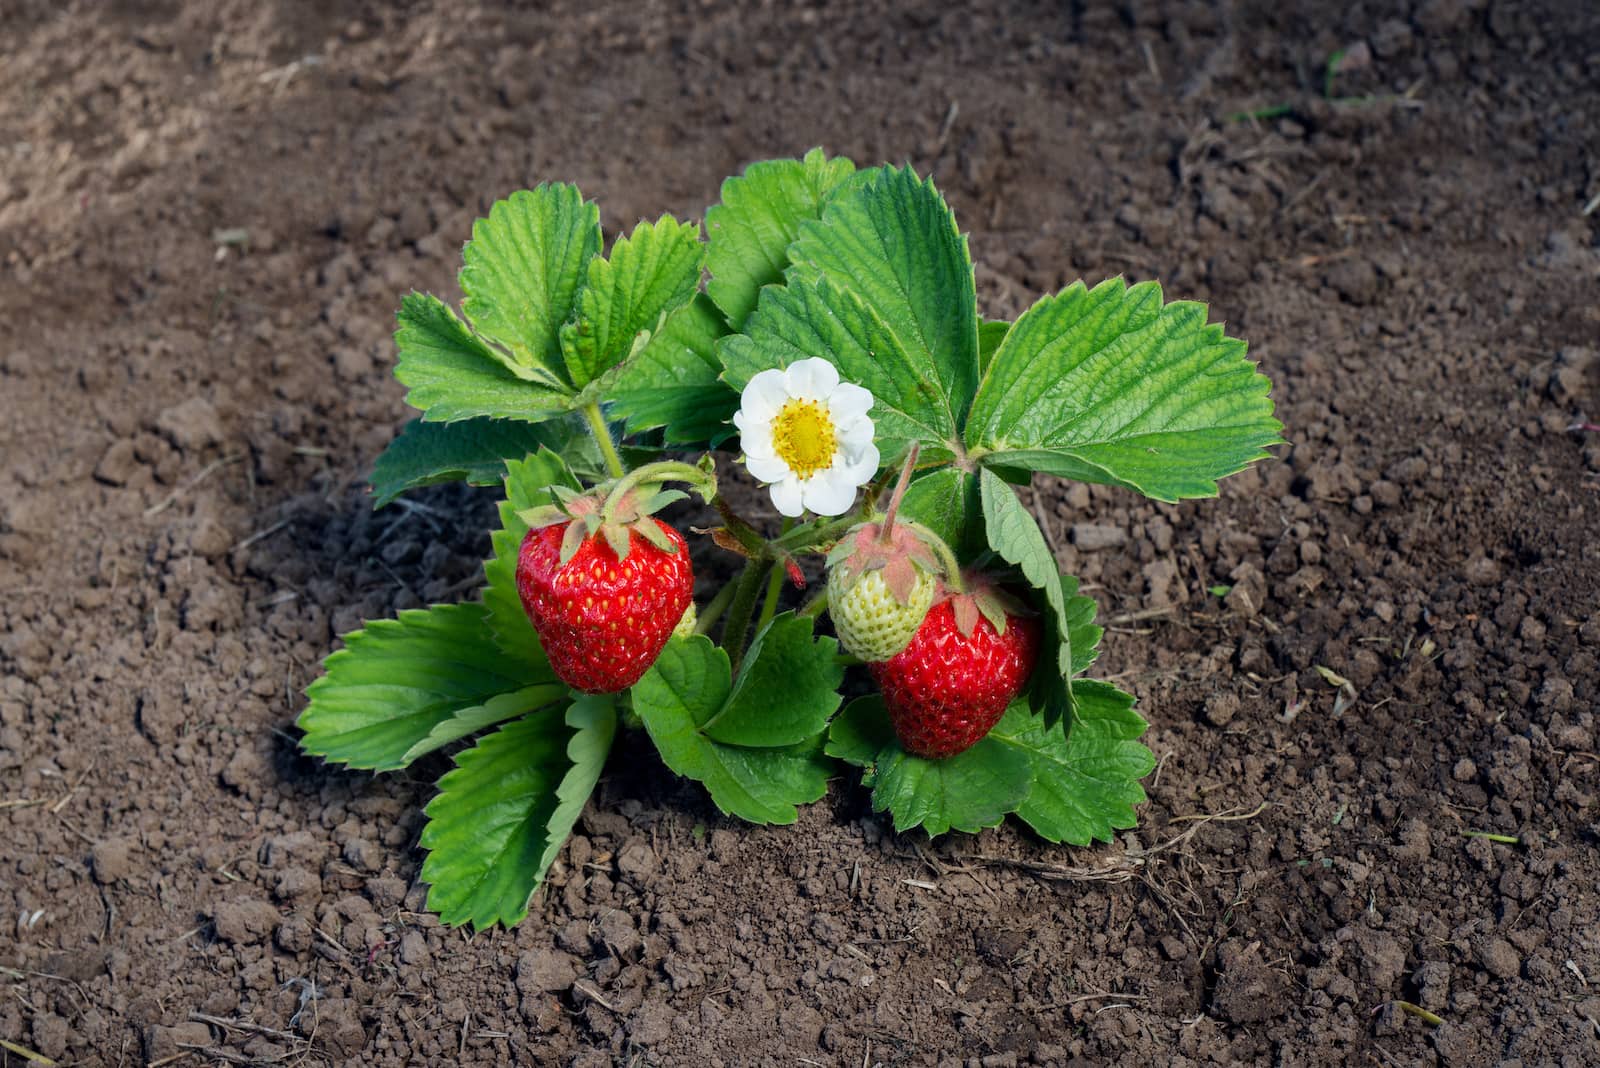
(803, 437)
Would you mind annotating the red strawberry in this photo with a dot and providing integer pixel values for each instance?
(952, 684)
(603, 619)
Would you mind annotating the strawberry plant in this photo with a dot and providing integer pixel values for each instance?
(824, 331)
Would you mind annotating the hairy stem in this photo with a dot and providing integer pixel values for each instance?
(713, 610)
(899, 493)
(769, 606)
(736, 632)
(602, 438)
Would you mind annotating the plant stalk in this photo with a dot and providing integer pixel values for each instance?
(736, 632)
(947, 558)
(602, 438)
(714, 609)
(769, 606)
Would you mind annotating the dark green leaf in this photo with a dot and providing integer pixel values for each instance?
(455, 375)
(859, 733)
(675, 383)
(651, 272)
(991, 332)
(524, 267)
(472, 450)
(751, 229)
(1086, 779)
(1110, 385)
(945, 501)
(894, 241)
(503, 812)
(967, 792)
(786, 689)
(687, 685)
(397, 680)
(1015, 536)
(814, 318)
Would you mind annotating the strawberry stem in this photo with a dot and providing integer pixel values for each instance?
(737, 629)
(713, 611)
(899, 492)
(769, 606)
(602, 438)
(662, 471)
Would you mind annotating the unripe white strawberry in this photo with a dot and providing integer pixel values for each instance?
(872, 623)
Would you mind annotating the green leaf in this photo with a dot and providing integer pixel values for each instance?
(859, 733)
(593, 718)
(496, 709)
(651, 272)
(453, 374)
(967, 792)
(524, 267)
(686, 686)
(944, 500)
(751, 229)
(1015, 536)
(675, 382)
(812, 317)
(1086, 780)
(1081, 629)
(503, 812)
(1110, 385)
(894, 241)
(786, 690)
(528, 485)
(472, 450)
(396, 680)
(991, 332)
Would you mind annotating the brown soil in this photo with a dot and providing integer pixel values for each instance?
(187, 423)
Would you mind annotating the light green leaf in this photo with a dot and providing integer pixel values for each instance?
(675, 382)
(528, 485)
(1110, 385)
(1015, 536)
(651, 272)
(687, 685)
(967, 792)
(893, 241)
(751, 229)
(398, 679)
(524, 267)
(453, 374)
(501, 815)
(1086, 780)
(991, 332)
(814, 318)
(472, 450)
(786, 689)
(496, 709)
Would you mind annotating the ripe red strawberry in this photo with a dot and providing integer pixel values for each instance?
(951, 685)
(603, 619)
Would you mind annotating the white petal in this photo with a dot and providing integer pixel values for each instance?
(763, 395)
(856, 435)
(811, 379)
(858, 465)
(787, 497)
(830, 493)
(767, 468)
(756, 439)
(848, 403)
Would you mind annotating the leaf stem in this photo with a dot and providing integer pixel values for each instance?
(713, 610)
(602, 438)
(736, 631)
(808, 537)
(769, 606)
(816, 606)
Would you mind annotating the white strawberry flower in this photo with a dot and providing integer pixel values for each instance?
(806, 434)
